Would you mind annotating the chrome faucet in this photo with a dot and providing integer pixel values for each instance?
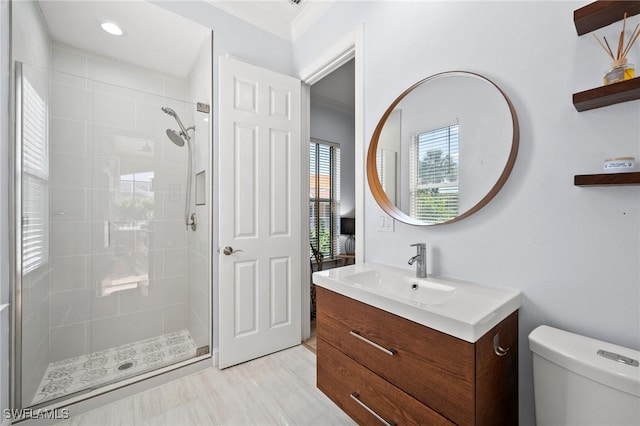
(421, 258)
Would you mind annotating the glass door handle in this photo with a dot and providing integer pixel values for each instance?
(107, 233)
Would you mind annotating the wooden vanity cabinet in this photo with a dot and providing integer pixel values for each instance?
(371, 361)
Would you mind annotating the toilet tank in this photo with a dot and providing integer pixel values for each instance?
(582, 381)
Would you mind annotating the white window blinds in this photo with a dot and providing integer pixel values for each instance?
(35, 180)
(433, 175)
(324, 197)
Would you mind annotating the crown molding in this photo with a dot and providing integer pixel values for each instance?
(332, 104)
(280, 26)
(246, 11)
(308, 16)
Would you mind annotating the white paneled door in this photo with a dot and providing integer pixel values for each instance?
(260, 212)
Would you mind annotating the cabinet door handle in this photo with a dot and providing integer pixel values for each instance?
(356, 397)
(356, 333)
(497, 349)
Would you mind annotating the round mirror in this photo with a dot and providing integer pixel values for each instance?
(443, 149)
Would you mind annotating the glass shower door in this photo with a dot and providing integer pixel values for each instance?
(140, 240)
(109, 288)
(32, 250)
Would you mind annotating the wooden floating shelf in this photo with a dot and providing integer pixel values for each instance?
(602, 13)
(607, 179)
(610, 94)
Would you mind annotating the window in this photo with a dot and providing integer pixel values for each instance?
(433, 175)
(324, 197)
(35, 181)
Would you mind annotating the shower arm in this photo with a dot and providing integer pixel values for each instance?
(184, 131)
(190, 220)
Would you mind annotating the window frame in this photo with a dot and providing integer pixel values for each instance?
(35, 178)
(452, 188)
(316, 201)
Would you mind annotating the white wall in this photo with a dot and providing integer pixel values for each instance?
(573, 252)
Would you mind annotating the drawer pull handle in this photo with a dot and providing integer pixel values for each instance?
(497, 349)
(356, 333)
(356, 397)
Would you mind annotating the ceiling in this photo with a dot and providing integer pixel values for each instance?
(155, 38)
(163, 41)
(337, 90)
(289, 21)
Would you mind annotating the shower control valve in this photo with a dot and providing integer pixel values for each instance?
(192, 222)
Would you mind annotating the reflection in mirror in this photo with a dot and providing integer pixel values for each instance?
(443, 149)
(433, 175)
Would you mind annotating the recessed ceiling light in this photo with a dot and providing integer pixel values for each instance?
(112, 28)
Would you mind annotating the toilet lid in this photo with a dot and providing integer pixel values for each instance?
(579, 354)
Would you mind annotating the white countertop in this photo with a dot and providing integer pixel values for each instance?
(471, 312)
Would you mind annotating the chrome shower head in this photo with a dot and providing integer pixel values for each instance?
(183, 131)
(175, 137)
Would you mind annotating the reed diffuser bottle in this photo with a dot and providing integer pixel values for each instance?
(620, 69)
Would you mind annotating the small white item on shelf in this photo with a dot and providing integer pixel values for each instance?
(620, 164)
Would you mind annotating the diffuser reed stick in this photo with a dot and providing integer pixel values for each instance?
(606, 49)
(621, 40)
(632, 39)
(620, 69)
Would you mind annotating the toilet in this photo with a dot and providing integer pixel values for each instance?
(582, 381)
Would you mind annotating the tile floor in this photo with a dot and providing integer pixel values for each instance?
(98, 368)
(278, 389)
(312, 342)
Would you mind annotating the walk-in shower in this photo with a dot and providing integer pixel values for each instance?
(108, 284)
(106, 287)
(178, 139)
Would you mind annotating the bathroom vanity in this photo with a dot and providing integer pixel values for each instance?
(380, 360)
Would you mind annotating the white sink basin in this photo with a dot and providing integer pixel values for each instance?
(419, 291)
(463, 309)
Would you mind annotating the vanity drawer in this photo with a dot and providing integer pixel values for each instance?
(434, 368)
(356, 390)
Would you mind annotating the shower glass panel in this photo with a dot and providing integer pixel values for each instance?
(114, 283)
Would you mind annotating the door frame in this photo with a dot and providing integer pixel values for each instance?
(350, 47)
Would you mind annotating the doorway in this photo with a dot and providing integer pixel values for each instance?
(332, 206)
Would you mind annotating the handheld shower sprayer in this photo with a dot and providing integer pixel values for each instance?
(179, 139)
(184, 132)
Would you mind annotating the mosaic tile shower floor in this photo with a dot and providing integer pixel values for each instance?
(98, 368)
